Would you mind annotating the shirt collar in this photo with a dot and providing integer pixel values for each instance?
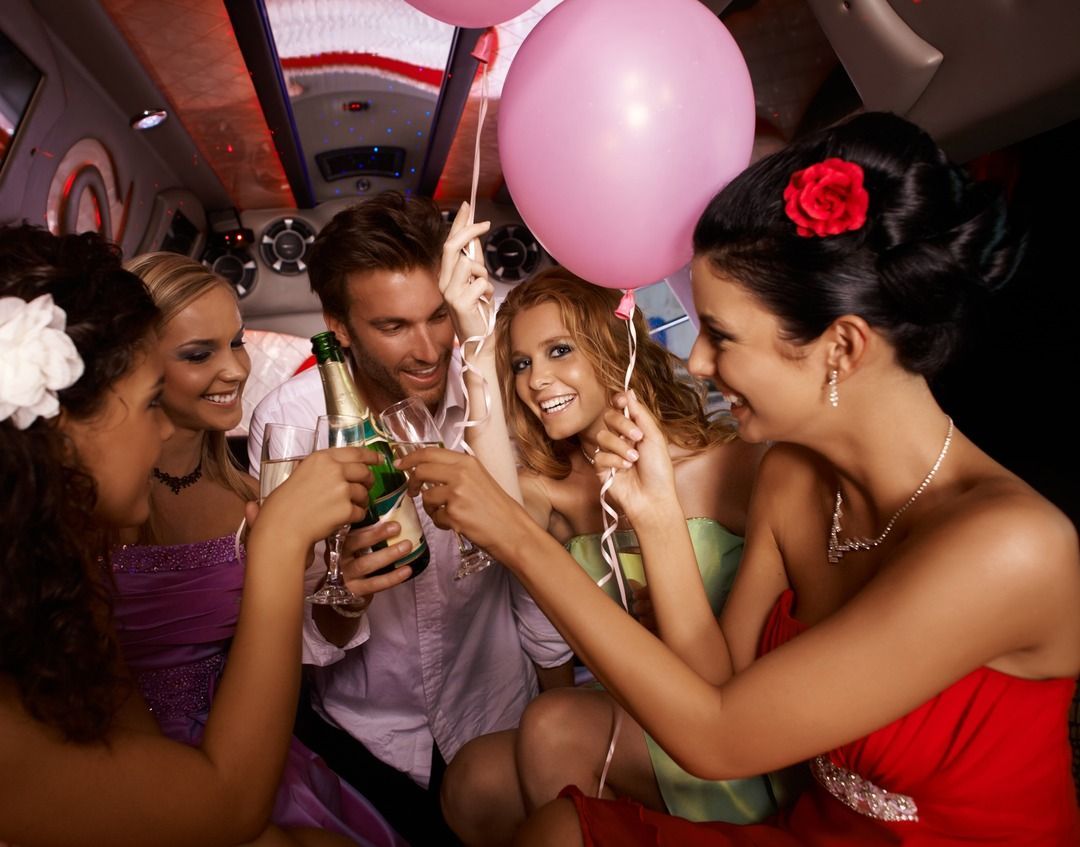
(451, 410)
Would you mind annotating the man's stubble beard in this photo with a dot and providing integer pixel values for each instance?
(378, 375)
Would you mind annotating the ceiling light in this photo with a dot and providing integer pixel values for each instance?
(148, 118)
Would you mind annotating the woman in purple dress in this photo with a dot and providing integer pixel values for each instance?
(178, 586)
(81, 427)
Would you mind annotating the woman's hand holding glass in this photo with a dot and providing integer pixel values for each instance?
(323, 491)
(335, 431)
(411, 427)
(459, 494)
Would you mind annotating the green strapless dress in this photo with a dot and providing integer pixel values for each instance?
(740, 801)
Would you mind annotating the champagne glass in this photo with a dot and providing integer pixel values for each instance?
(628, 552)
(337, 431)
(411, 427)
(283, 447)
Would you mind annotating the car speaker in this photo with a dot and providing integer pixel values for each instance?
(235, 265)
(512, 253)
(285, 243)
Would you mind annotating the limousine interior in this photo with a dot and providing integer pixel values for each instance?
(233, 130)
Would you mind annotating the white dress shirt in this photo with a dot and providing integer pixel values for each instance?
(434, 658)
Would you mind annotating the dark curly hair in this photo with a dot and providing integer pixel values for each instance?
(56, 638)
(933, 241)
(389, 232)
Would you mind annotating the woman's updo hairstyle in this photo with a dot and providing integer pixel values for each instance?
(932, 242)
(56, 640)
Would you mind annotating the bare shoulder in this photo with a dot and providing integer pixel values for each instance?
(1009, 530)
(788, 472)
(532, 484)
(734, 457)
(1014, 557)
(22, 739)
(250, 485)
(534, 493)
(717, 482)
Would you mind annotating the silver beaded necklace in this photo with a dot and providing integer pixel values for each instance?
(838, 548)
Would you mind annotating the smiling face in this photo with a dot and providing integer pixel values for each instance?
(120, 444)
(206, 364)
(552, 376)
(400, 333)
(768, 381)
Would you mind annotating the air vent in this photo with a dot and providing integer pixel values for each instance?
(235, 265)
(512, 253)
(284, 245)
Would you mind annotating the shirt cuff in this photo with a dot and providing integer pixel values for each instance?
(316, 649)
(320, 652)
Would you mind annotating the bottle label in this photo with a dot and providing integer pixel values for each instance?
(398, 506)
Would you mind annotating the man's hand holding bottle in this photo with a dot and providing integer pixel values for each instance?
(359, 561)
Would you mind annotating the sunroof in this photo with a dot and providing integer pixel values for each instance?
(367, 77)
(363, 79)
(19, 79)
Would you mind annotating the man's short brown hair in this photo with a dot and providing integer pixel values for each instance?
(389, 232)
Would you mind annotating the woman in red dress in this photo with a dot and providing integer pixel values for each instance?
(907, 615)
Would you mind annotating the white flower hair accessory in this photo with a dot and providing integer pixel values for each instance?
(37, 359)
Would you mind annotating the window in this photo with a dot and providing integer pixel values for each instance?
(18, 81)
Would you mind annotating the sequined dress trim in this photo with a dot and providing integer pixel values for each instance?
(181, 691)
(861, 795)
(137, 558)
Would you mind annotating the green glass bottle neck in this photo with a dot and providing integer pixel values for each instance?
(342, 396)
(327, 348)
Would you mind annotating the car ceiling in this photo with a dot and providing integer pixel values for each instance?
(390, 56)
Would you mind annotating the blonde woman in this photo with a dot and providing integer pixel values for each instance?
(178, 588)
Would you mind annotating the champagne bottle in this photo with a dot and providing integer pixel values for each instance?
(388, 497)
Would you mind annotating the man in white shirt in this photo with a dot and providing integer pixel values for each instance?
(435, 661)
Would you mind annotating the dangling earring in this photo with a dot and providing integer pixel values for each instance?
(834, 394)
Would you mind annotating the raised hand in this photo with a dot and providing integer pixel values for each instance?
(638, 452)
(463, 281)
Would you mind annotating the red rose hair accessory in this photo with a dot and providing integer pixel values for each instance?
(827, 198)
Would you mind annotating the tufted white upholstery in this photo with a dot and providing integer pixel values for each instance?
(275, 356)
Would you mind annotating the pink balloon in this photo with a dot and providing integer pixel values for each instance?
(472, 13)
(619, 121)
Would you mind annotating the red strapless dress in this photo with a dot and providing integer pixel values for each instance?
(986, 761)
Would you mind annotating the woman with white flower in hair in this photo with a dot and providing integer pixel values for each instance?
(81, 427)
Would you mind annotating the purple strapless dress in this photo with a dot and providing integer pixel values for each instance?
(176, 608)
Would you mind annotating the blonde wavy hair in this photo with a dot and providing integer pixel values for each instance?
(675, 399)
(175, 281)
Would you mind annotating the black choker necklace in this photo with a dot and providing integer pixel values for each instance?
(177, 483)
